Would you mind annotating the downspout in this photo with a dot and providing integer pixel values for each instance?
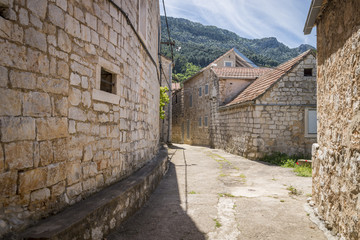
(170, 104)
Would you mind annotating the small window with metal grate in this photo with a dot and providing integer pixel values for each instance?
(107, 83)
(307, 72)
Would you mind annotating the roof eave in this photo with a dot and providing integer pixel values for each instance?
(238, 104)
(314, 11)
(238, 78)
(193, 76)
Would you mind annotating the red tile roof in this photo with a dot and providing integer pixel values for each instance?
(214, 63)
(263, 83)
(240, 72)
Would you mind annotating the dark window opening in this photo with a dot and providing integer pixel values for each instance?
(4, 11)
(206, 89)
(308, 72)
(107, 81)
(205, 121)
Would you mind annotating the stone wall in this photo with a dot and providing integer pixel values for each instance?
(62, 138)
(336, 158)
(166, 79)
(178, 124)
(274, 122)
(198, 110)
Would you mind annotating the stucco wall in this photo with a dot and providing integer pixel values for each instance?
(61, 137)
(275, 122)
(336, 167)
(230, 88)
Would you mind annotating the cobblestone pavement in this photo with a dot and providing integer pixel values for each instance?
(210, 194)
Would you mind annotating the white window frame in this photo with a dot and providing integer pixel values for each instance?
(307, 134)
(103, 96)
(231, 63)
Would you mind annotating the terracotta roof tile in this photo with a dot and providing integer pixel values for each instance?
(240, 72)
(263, 83)
(216, 60)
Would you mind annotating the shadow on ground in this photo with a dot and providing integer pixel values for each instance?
(162, 217)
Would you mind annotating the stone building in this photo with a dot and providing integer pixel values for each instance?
(336, 156)
(166, 81)
(79, 95)
(177, 133)
(249, 110)
(195, 104)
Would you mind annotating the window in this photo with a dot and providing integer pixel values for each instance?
(142, 18)
(307, 72)
(107, 83)
(200, 91)
(206, 89)
(190, 101)
(200, 121)
(205, 121)
(228, 63)
(310, 122)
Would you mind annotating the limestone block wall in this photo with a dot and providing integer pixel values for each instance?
(165, 124)
(200, 109)
(274, 122)
(336, 167)
(61, 138)
(178, 124)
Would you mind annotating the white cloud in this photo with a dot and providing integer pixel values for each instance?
(283, 19)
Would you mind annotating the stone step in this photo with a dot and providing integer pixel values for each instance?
(95, 216)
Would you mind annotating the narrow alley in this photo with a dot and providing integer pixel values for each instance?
(210, 194)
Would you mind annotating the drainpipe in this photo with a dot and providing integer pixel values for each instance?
(170, 104)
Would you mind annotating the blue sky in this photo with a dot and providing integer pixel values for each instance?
(283, 19)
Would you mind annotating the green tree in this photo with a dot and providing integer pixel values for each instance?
(164, 99)
(191, 69)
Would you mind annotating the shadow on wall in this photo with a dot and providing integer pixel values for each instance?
(162, 217)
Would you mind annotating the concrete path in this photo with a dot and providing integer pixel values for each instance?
(211, 194)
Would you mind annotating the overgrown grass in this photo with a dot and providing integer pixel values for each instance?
(303, 171)
(283, 160)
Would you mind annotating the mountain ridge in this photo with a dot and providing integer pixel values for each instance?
(201, 44)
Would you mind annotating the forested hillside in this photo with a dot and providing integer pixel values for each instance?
(199, 45)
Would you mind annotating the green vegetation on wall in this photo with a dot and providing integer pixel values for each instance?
(164, 99)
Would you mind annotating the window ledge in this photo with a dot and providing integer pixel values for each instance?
(103, 96)
(310, 135)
